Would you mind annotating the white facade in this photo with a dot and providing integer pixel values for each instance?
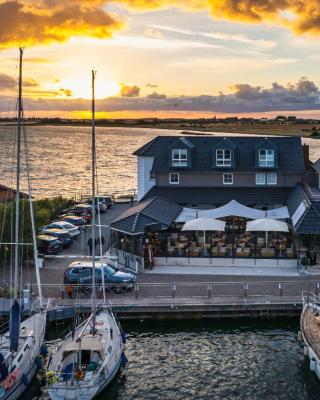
(144, 166)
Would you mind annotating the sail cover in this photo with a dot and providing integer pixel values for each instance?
(14, 326)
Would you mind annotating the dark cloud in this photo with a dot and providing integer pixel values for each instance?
(129, 90)
(304, 95)
(8, 82)
(156, 95)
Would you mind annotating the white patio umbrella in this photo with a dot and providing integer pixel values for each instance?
(204, 224)
(267, 225)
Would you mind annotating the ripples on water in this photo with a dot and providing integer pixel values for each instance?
(213, 360)
(60, 157)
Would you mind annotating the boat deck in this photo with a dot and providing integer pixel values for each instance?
(310, 325)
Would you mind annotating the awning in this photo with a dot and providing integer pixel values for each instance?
(233, 208)
(204, 224)
(267, 225)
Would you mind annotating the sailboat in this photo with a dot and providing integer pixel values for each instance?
(85, 362)
(20, 347)
(310, 330)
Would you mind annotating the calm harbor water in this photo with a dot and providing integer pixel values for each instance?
(212, 360)
(60, 157)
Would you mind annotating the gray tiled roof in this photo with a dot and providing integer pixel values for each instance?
(151, 211)
(309, 222)
(297, 196)
(316, 165)
(291, 159)
(221, 195)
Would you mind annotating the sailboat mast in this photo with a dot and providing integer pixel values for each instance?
(93, 189)
(16, 245)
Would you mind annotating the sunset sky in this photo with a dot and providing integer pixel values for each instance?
(162, 58)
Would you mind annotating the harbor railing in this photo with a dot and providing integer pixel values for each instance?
(258, 289)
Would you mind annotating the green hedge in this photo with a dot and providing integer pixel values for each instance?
(46, 210)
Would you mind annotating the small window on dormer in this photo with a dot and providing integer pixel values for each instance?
(152, 175)
(179, 158)
(223, 158)
(266, 158)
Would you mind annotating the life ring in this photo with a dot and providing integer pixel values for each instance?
(79, 375)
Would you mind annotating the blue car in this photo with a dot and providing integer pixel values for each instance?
(80, 272)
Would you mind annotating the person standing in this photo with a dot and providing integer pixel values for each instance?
(90, 244)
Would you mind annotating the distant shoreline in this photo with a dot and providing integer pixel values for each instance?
(304, 128)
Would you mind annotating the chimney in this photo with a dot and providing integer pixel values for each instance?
(306, 156)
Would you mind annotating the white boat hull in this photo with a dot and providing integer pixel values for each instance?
(27, 364)
(110, 363)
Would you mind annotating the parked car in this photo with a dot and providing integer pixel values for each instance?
(78, 213)
(104, 202)
(72, 229)
(73, 219)
(48, 244)
(61, 234)
(107, 200)
(80, 272)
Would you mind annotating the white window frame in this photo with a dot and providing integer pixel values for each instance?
(259, 174)
(179, 157)
(266, 160)
(223, 160)
(228, 174)
(274, 176)
(152, 175)
(174, 182)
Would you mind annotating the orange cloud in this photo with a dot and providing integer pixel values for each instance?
(129, 90)
(30, 22)
(304, 15)
(26, 22)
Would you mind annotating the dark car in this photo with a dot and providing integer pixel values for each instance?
(48, 244)
(80, 272)
(107, 200)
(84, 213)
(61, 234)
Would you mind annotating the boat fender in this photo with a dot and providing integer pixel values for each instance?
(44, 350)
(312, 364)
(25, 379)
(51, 377)
(305, 350)
(123, 337)
(299, 336)
(38, 362)
(124, 359)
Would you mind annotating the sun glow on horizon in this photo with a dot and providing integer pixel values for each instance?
(103, 88)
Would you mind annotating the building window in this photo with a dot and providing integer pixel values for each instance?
(174, 178)
(266, 158)
(227, 179)
(179, 158)
(152, 176)
(260, 179)
(272, 179)
(223, 158)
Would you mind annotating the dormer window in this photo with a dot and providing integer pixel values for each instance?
(179, 158)
(266, 158)
(223, 157)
